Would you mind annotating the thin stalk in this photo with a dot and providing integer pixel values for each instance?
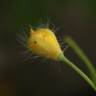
(82, 56)
(75, 68)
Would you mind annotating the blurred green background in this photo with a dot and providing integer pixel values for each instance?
(76, 18)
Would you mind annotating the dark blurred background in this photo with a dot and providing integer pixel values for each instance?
(36, 77)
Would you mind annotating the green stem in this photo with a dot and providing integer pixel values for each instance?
(82, 56)
(74, 67)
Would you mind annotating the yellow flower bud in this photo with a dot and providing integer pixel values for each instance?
(43, 42)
